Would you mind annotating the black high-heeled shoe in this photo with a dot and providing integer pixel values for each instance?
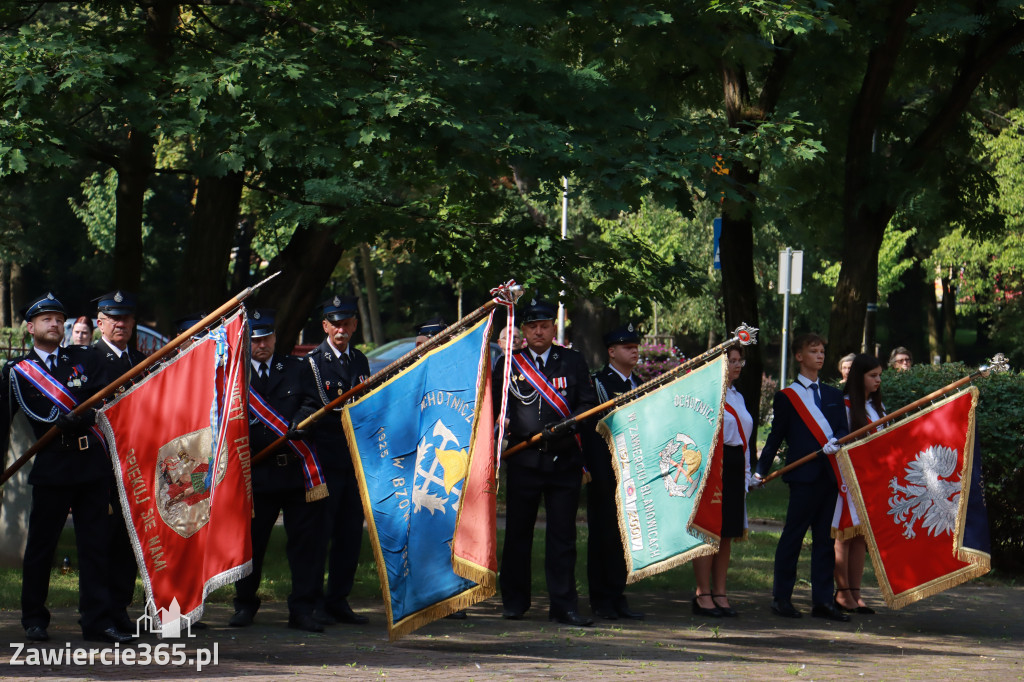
(699, 610)
(727, 611)
(867, 610)
(839, 606)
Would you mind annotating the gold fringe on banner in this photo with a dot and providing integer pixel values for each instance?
(848, 533)
(977, 563)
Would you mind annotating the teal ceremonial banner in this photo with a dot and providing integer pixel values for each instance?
(423, 449)
(662, 448)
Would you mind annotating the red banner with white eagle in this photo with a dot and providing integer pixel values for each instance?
(180, 442)
(911, 485)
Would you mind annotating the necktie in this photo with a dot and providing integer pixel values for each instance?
(51, 363)
(264, 370)
(344, 360)
(817, 396)
(540, 364)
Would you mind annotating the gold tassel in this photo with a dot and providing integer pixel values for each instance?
(317, 492)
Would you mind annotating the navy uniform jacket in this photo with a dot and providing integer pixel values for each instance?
(331, 378)
(611, 386)
(62, 461)
(283, 391)
(787, 425)
(530, 418)
(115, 366)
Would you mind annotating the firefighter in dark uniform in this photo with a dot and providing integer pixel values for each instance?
(71, 473)
(329, 370)
(552, 469)
(606, 562)
(115, 314)
(279, 484)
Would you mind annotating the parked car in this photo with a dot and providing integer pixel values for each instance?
(382, 356)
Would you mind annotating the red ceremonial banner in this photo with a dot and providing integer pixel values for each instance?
(180, 440)
(910, 484)
(707, 516)
(475, 542)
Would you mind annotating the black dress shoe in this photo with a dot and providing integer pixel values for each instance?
(829, 611)
(124, 624)
(512, 614)
(242, 618)
(199, 625)
(458, 615)
(304, 621)
(36, 633)
(623, 611)
(324, 618)
(343, 613)
(784, 608)
(571, 618)
(727, 611)
(111, 636)
(605, 612)
(713, 612)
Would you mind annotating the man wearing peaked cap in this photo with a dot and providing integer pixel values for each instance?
(279, 482)
(329, 370)
(551, 469)
(71, 473)
(430, 328)
(115, 312)
(606, 563)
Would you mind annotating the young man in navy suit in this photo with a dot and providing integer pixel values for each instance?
(810, 417)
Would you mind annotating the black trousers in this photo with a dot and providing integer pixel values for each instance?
(606, 561)
(303, 524)
(811, 505)
(122, 567)
(341, 538)
(87, 503)
(561, 493)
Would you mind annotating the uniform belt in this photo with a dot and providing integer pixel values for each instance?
(81, 443)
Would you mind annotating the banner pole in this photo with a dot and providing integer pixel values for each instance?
(743, 335)
(998, 364)
(395, 367)
(135, 371)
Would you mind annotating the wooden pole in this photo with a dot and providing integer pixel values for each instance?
(386, 373)
(743, 335)
(135, 371)
(983, 371)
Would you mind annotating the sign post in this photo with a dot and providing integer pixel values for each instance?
(791, 272)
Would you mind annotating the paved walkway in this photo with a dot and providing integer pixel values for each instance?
(969, 633)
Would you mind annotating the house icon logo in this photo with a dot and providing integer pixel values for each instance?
(166, 625)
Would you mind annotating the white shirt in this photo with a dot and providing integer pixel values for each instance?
(117, 351)
(802, 386)
(628, 379)
(730, 429)
(543, 356)
(338, 353)
(869, 408)
(44, 356)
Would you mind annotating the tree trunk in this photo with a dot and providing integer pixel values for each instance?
(372, 304)
(357, 290)
(907, 318)
(6, 307)
(949, 318)
(134, 168)
(204, 278)
(934, 331)
(306, 266)
(591, 320)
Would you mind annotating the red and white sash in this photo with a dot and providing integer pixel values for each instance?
(316, 486)
(739, 425)
(46, 384)
(524, 365)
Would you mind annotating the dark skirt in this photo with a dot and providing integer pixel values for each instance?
(734, 484)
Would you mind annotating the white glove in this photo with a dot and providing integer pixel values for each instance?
(754, 481)
(831, 447)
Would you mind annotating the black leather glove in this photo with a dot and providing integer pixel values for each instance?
(76, 422)
(558, 429)
(294, 432)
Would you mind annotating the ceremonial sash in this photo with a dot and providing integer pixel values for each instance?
(544, 387)
(844, 525)
(316, 487)
(739, 425)
(46, 384)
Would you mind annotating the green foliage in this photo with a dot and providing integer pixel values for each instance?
(891, 264)
(1000, 427)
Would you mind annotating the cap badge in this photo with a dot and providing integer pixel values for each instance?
(256, 315)
(337, 301)
(49, 295)
(118, 297)
(630, 327)
(533, 302)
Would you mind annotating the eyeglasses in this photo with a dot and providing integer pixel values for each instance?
(741, 363)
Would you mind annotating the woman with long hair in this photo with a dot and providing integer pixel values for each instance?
(737, 427)
(81, 331)
(863, 406)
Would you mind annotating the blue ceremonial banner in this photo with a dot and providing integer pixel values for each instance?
(414, 441)
(663, 447)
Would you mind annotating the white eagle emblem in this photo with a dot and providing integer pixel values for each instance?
(927, 497)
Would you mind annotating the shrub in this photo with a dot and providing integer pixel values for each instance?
(656, 359)
(1000, 426)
